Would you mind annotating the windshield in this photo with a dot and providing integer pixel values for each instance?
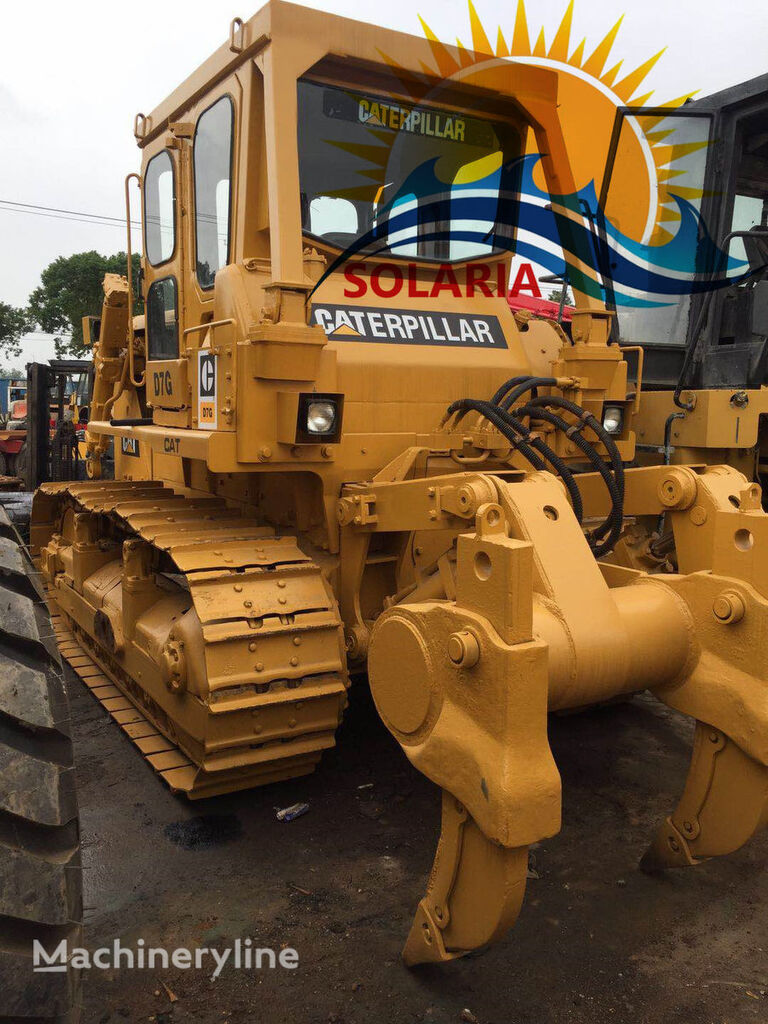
(425, 181)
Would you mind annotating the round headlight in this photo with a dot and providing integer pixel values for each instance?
(321, 417)
(613, 419)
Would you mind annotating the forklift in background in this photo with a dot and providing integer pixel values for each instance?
(46, 438)
(57, 415)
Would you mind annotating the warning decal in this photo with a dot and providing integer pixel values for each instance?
(207, 404)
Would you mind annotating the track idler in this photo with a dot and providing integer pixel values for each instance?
(538, 625)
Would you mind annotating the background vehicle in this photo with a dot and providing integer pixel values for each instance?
(704, 358)
(11, 391)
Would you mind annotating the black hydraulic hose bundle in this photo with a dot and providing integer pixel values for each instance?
(508, 421)
(519, 436)
(612, 525)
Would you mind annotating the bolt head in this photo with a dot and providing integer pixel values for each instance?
(463, 649)
(728, 607)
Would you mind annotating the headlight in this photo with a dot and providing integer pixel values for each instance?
(613, 419)
(321, 417)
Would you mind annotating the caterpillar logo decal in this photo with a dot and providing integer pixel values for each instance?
(408, 327)
(207, 367)
(129, 446)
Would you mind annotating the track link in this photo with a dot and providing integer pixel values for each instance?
(248, 682)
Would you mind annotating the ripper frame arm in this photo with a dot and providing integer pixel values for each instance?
(537, 624)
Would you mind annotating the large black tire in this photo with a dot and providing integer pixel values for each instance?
(40, 874)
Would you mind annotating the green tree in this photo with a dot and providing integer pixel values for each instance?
(13, 324)
(556, 294)
(71, 288)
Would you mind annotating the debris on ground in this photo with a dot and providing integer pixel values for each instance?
(297, 888)
(171, 995)
(289, 813)
(469, 1017)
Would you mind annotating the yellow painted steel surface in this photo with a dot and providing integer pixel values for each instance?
(215, 596)
(234, 653)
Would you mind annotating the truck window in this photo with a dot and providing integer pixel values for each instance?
(213, 171)
(162, 320)
(159, 209)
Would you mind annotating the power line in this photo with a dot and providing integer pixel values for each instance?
(59, 213)
(53, 216)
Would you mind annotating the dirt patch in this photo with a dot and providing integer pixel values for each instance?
(597, 941)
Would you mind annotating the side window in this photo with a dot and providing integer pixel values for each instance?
(162, 320)
(213, 170)
(159, 209)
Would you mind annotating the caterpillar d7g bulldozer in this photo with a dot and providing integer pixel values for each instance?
(336, 456)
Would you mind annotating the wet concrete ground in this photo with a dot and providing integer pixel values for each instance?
(597, 941)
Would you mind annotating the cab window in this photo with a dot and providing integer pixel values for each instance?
(213, 172)
(159, 209)
(162, 320)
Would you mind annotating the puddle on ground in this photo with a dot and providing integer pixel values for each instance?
(204, 831)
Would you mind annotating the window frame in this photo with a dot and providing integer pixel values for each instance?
(168, 259)
(158, 281)
(224, 96)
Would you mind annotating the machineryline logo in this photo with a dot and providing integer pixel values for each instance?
(243, 955)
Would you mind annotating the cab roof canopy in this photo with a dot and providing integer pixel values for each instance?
(339, 49)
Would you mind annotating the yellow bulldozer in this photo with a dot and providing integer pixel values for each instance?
(338, 452)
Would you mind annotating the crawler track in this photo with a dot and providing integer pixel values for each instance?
(268, 658)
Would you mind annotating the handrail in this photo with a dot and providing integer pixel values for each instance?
(640, 365)
(237, 35)
(129, 260)
(209, 325)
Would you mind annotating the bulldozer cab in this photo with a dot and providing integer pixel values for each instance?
(320, 190)
(713, 337)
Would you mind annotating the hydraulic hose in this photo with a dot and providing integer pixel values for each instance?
(613, 522)
(595, 426)
(507, 400)
(520, 438)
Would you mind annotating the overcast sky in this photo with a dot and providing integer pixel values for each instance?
(73, 75)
